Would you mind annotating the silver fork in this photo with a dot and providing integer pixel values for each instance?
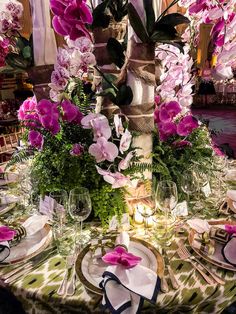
(69, 264)
(193, 258)
(184, 256)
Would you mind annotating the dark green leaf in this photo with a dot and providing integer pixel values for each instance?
(173, 19)
(16, 61)
(164, 33)
(100, 18)
(137, 24)
(116, 52)
(150, 15)
(26, 52)
(111, 78)
(124, 96)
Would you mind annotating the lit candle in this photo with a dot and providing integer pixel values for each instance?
(138, 218)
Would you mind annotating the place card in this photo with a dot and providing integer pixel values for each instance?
(181, 209)
(206, 189)
(46, 206)
(124, 223)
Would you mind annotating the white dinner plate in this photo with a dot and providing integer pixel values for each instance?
(90, 273)
(217, 258)
(29, 247)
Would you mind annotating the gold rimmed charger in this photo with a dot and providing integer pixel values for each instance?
(6, 208)
(137, 247)
(217, 258)
(40, 241)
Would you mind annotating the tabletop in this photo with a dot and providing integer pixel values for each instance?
(37, 290)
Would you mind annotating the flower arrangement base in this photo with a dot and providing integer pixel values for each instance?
(40, 77)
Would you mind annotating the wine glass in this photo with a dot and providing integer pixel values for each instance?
(166, 200)
(166, 196)
(146, 207)
(80, 207)
(59, 206)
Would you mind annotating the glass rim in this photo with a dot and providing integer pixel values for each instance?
(58, 193)
(79, 191)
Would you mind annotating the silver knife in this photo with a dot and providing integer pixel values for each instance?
(174, 281)
(32, 266)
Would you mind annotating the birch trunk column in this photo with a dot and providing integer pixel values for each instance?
(141, 78)
(101, 36)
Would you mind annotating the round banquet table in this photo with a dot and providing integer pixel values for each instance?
(37, 290)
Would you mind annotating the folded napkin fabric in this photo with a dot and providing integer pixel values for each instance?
(200, 225)
(9, 237)
(126, 283)
(8, 199)
(231, 199)
(6, 234)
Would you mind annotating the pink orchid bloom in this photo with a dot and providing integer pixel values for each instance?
(169, 110)
(222, 72)
(70, 18)
(125, 141)
(36, 139)
(186, 125)
(103, 150)
(86, 121)
(166, 130)
(117, 179)
(6, 234)
(101, 128)
(46, 107)
(71, 112)
(119, 256)
(124, 163)
(77, 150)
(157, 100)
(51, 124)
(230, 229)
(118, 125)
(197, 6)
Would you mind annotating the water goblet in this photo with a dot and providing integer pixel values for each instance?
(146, 208)
(166, 196)
(80, 207)
(59, 206)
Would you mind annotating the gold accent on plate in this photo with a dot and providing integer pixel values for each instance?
(41, 249)
(7, 208)
(203, 254)
(94, 289)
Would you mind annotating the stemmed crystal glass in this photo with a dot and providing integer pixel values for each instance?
(189, 184)
(59, 206)
(80, 207)
(146, 207)
(166, 201)
(166, 196)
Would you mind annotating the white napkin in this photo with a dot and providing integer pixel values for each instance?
(32, 225)
(200, 225)
(8, 199)
(124, 290)
(4, 250)
(231, 194)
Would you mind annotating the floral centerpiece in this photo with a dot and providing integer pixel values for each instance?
(15, 50)
(76, 146)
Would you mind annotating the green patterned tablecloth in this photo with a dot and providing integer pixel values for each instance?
(38, 290)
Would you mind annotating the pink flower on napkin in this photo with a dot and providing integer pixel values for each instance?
(6, 234)
(230, 229)
(119, 256)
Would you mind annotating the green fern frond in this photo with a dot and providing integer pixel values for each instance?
(19, 157)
